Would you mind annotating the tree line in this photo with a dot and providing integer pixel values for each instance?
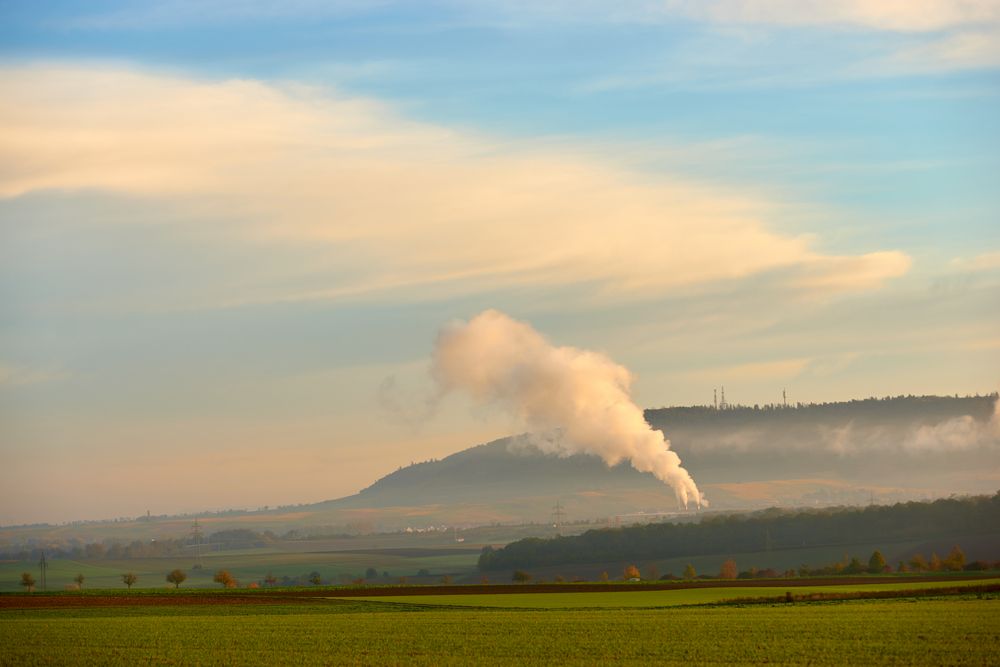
(761, 531)
(876, 564)
(908, 408)
(75, 549)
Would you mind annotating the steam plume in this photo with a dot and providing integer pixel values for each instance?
(578, 401)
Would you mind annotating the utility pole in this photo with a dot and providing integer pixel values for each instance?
(43, 566)
(784, 398)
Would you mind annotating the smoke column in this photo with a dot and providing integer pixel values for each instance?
(578, 400)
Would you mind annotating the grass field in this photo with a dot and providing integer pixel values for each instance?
(938, 632)
(646, 598)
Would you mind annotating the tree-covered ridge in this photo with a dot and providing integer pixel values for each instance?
(886, 409)
(771, 529)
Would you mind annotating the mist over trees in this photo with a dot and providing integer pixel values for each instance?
(113, 549)
(859, 439)
(762, 531)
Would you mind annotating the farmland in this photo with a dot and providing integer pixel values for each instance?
(962, 630)
(938, 620)
(247, 566)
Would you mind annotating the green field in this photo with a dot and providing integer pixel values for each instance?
(247, 566)
(641, 598)
(938, 632)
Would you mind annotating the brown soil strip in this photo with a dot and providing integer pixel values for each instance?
(78, 601)
(869, 595)
(493, 589)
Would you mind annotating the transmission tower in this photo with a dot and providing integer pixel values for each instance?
(196, 537)
(558, 514)
(43, 566)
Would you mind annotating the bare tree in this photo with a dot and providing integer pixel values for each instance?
(28, 581)
(128, 579)
(79, 580)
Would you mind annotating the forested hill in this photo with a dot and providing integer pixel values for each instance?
(764, 531)
(897, 448)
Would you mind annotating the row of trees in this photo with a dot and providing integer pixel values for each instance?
(955, 561)
(175, 577)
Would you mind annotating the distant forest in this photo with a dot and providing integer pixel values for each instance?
(889, 408)
(762, 531)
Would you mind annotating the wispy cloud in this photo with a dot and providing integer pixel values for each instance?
(895, 15)
(162, 13)
(740, 44)
(12, 375)
(942, 34)
(399, 205)
(987, 261)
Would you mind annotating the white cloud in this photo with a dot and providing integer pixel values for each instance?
(400, 205)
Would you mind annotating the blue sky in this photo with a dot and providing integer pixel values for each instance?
(224, 225)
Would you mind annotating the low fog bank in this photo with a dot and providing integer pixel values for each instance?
(872, 439)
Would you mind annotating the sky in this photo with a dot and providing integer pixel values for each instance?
(231, 231)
